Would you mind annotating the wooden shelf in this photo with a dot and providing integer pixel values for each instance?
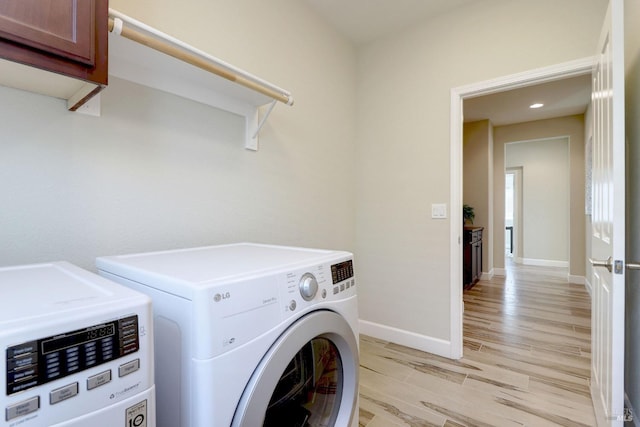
(138, 63)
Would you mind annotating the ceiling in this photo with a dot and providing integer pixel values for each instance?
(363, 21)
(560, 98)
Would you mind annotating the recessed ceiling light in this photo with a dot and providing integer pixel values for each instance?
(537, 105)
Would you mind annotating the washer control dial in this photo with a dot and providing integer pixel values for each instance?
(308, 286)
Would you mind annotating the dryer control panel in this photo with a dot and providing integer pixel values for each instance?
(38, 362)
(75, 350)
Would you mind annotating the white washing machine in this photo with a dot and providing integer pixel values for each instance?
(250, 335)
(76, 350)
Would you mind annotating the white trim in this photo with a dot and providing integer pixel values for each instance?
(578, 280)
(588, 286)
(578, 67)
(487, 275)
(523, 141)
(458, 94)
(501, 272)
(545, 262)
(410, 339)
(455, 210)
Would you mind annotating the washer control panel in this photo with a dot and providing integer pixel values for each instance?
(38, 362)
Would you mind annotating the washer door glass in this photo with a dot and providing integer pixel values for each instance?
(308, 378)
(308, 392)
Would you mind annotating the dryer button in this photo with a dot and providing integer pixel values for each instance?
(63, 393)
(292, 305)
(98, 380)
(128, 368)
(22, 408)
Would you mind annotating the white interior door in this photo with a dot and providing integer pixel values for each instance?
(608, 220)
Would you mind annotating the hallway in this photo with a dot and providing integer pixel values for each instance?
(526, 361)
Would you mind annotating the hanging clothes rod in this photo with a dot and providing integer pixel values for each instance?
(149, 36)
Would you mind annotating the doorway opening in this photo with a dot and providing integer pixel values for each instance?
(458, 95)
(509, 212)
(537, 202)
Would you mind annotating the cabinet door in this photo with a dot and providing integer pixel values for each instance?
(61, 27)
(467, 275)
(65, 36)
(477, 260)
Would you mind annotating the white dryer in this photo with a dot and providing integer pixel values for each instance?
(250, 335)
(76, 350)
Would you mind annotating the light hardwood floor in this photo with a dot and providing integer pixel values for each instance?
(527, 344)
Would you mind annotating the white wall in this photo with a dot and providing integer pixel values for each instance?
(309, 184)
(574, 128)
(477, 186)
(157, 171)
(545, 199)
(404, 85)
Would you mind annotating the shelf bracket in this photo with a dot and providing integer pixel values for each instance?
(254, 126)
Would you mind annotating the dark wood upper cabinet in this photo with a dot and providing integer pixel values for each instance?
(68, 37)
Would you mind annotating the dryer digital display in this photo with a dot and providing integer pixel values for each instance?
(342, 271)
(38, 362)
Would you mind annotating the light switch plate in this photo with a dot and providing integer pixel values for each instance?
(438, 210)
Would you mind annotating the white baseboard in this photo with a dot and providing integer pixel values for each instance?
(579, 280)
(544, 262)
(410, 339)
(487, 275)
(502, 272)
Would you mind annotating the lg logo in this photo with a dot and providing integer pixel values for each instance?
(222, 296)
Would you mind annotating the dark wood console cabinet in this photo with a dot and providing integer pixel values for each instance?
(472, 255)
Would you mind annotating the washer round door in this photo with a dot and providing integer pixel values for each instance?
(308, 378)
